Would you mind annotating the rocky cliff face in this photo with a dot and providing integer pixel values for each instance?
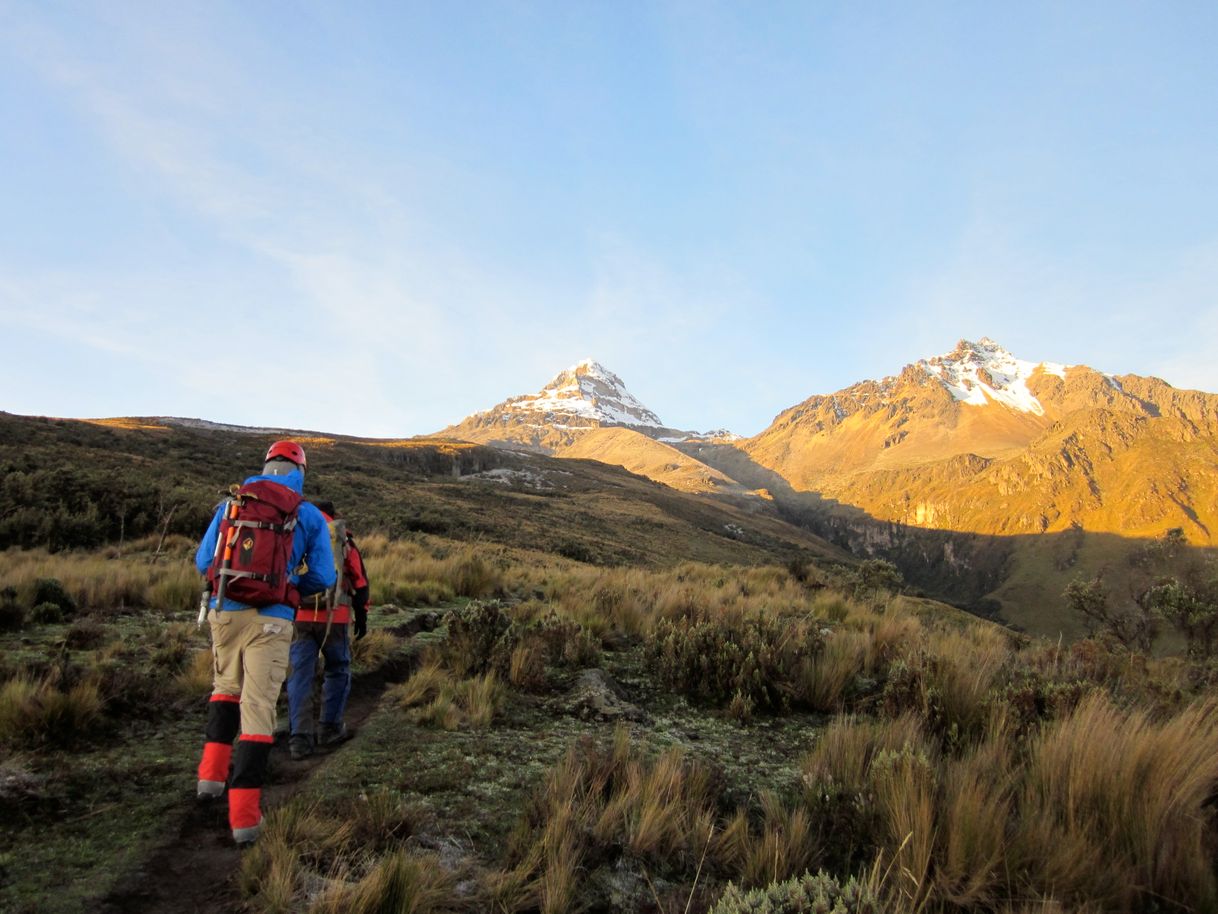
(992, 480)
(978, 441)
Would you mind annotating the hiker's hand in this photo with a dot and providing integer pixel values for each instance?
(361, 623)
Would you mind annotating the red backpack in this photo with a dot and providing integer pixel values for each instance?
(254, 546)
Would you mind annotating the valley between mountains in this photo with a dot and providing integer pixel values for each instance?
(991, 481)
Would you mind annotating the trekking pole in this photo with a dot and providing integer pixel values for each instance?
(204, 605)
(205, 599)
(332, 595)
(227, 563)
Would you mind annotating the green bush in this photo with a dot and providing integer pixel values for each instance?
(50, 590)
(722, 660)
(806, 894)
(46, 614)
(474, 631)
(482, 637)
(85, 634)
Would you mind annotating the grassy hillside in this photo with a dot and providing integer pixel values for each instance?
(537, 734)
(69, 483)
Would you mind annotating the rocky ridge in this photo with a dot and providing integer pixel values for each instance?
(970, 466)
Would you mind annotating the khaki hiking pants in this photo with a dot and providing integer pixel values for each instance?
(250, 653)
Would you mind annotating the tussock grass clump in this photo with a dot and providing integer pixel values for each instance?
(409, 573)
(977, 801)
(1124, 794)
(371, 651)
(408, 881)
(437, 698)
(783, 843)
(828, 676)
(343, 856)
(1104, 807)
(867, 782)
(417, 593)
(37, 711)
(600, 801)
(198, 675)
(949, 681)
(617, 602)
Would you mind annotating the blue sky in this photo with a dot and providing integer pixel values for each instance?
(378, 218)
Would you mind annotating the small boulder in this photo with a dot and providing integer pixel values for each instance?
(595, 696)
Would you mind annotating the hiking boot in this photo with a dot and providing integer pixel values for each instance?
(244, 837)
(210, 790)
(300, 746)
(333, 734)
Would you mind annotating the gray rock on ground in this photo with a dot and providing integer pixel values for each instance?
(595, 696)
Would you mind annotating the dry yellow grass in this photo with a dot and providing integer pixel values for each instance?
(437, 698)
(782, 845)
(36, 710)
(371, 651)
(196, 679)
(977, 803)
(825, 679)
(1112, 805)
(403, 881)
(409, 572)
(658, 809)
(97, 582)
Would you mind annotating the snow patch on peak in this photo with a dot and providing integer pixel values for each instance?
(590, 391)
(983, 372)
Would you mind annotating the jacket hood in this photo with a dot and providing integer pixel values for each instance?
(293, 480)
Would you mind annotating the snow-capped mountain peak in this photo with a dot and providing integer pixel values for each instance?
(587, 391)
(982, 372)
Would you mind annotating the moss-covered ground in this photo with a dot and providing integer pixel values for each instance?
(476, 781)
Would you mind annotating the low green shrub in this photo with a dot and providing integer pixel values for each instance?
(50, 590)
(84, 634)
(760, 659)
(484, 637)
(474, 632)
(46, 614)
(807, 894)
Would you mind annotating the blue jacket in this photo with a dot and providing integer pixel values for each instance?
(311, 543)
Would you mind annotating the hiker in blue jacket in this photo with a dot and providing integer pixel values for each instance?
(251, 643)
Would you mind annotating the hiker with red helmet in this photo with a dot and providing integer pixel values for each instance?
(256, 541)
(323, 630)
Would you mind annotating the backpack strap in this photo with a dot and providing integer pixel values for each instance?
(264, 525)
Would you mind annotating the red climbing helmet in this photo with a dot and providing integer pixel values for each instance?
(286, 450)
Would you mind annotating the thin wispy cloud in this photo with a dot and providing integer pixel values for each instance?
(731, 213)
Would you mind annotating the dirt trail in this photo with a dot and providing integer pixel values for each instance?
(195, 870)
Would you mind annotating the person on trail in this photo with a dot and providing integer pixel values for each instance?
(265, 548)
(323, 626)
